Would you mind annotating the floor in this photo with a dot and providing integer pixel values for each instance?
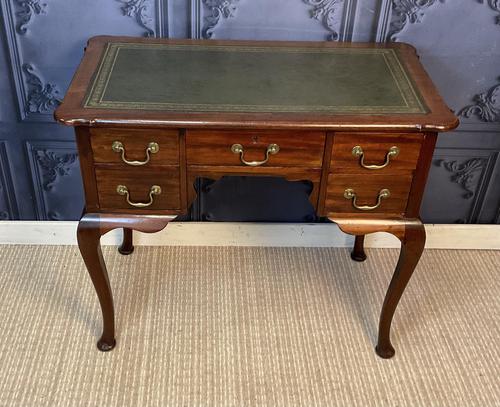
(248, 326)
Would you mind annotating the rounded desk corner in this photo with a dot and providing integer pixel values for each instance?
(446, 126)
(61, 117)
(406, 47)
(440, 122)
(99, 39)
(453, 125)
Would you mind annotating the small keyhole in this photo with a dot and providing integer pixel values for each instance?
(255, 139)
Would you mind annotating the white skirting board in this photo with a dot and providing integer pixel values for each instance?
(483, 237)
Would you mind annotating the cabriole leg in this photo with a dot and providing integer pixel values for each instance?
(412, 246)
(90, 229)
(89, 235)
(411, 233)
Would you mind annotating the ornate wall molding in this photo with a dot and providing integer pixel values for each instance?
(407, 11)
(42, 97)
(464, 173)
(54, 165)
(494, 5)
(461, 178)
(325, 11)
(30, 90)
(486, 106)
(27, 10)
(35, 98)
(215, 10)
(139, 9)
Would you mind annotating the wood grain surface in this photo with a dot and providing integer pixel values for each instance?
(135, 143)
(367, 188)
(296, 148)
(375, 147)
(139, 181)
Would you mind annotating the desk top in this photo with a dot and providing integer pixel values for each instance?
(148, 82)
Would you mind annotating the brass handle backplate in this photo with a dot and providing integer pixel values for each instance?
(154, 190)
(152, 148)
(350, 194)
(271, 150)
(358, 152)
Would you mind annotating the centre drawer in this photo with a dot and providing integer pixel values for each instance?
(140, 188)
(252, 148)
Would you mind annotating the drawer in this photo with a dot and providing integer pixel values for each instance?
(215, 147)
(135, 144)
(138, 182)
(373, 149)
(367, 189)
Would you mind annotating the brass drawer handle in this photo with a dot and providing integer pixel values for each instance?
(154, 190)
(357, 151)
(271, 150)
(350, 194)
(118, 147)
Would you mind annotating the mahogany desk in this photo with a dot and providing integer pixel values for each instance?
(358, 120)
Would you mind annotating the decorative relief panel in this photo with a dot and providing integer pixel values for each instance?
(42, 97)
(326, 11)
(56, 179)
(139, 10)
(407, 11)
(495, 5)
(486, 106)
(36, 99)
(54, 165)
(263, 20)
(27, 9)
(465, 173)
(217, 9)
(33, 59)
(207, 14)
(457, 185)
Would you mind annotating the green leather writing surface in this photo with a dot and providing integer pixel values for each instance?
(230, 78)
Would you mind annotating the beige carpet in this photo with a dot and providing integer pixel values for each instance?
(234, 326)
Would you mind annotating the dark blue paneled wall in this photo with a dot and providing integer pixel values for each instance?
(42, 42)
